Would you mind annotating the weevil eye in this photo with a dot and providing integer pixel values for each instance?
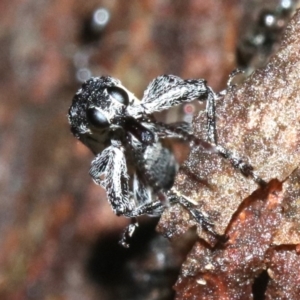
(96, 118)
(118, 94)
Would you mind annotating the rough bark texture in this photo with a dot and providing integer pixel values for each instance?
(260, 121)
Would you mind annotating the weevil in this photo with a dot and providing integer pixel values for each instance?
(134, 158)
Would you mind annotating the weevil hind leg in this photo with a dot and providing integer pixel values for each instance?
(156, 209)
(198, 216)
(153, 209)
(245, 168)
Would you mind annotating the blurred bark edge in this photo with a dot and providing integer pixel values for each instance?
(260, 121)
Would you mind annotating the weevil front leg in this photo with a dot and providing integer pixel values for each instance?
(109, 170)
(167, 91)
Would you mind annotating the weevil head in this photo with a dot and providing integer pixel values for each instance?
(99, 108)
(98, 105)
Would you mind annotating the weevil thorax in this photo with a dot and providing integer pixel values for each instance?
(97, 110)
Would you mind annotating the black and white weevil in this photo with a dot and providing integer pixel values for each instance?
(134, 159)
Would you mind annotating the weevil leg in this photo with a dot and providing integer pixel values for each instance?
(199, 217)
(128, 233)
(181, 130)
(167, 91)
(172, 198)
(109, 170)
(238, 163)
(159, 206)
(229, 84)
(233, 74)
(211, 117)
(153, 208)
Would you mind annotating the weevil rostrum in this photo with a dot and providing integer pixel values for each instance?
(134, 160)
